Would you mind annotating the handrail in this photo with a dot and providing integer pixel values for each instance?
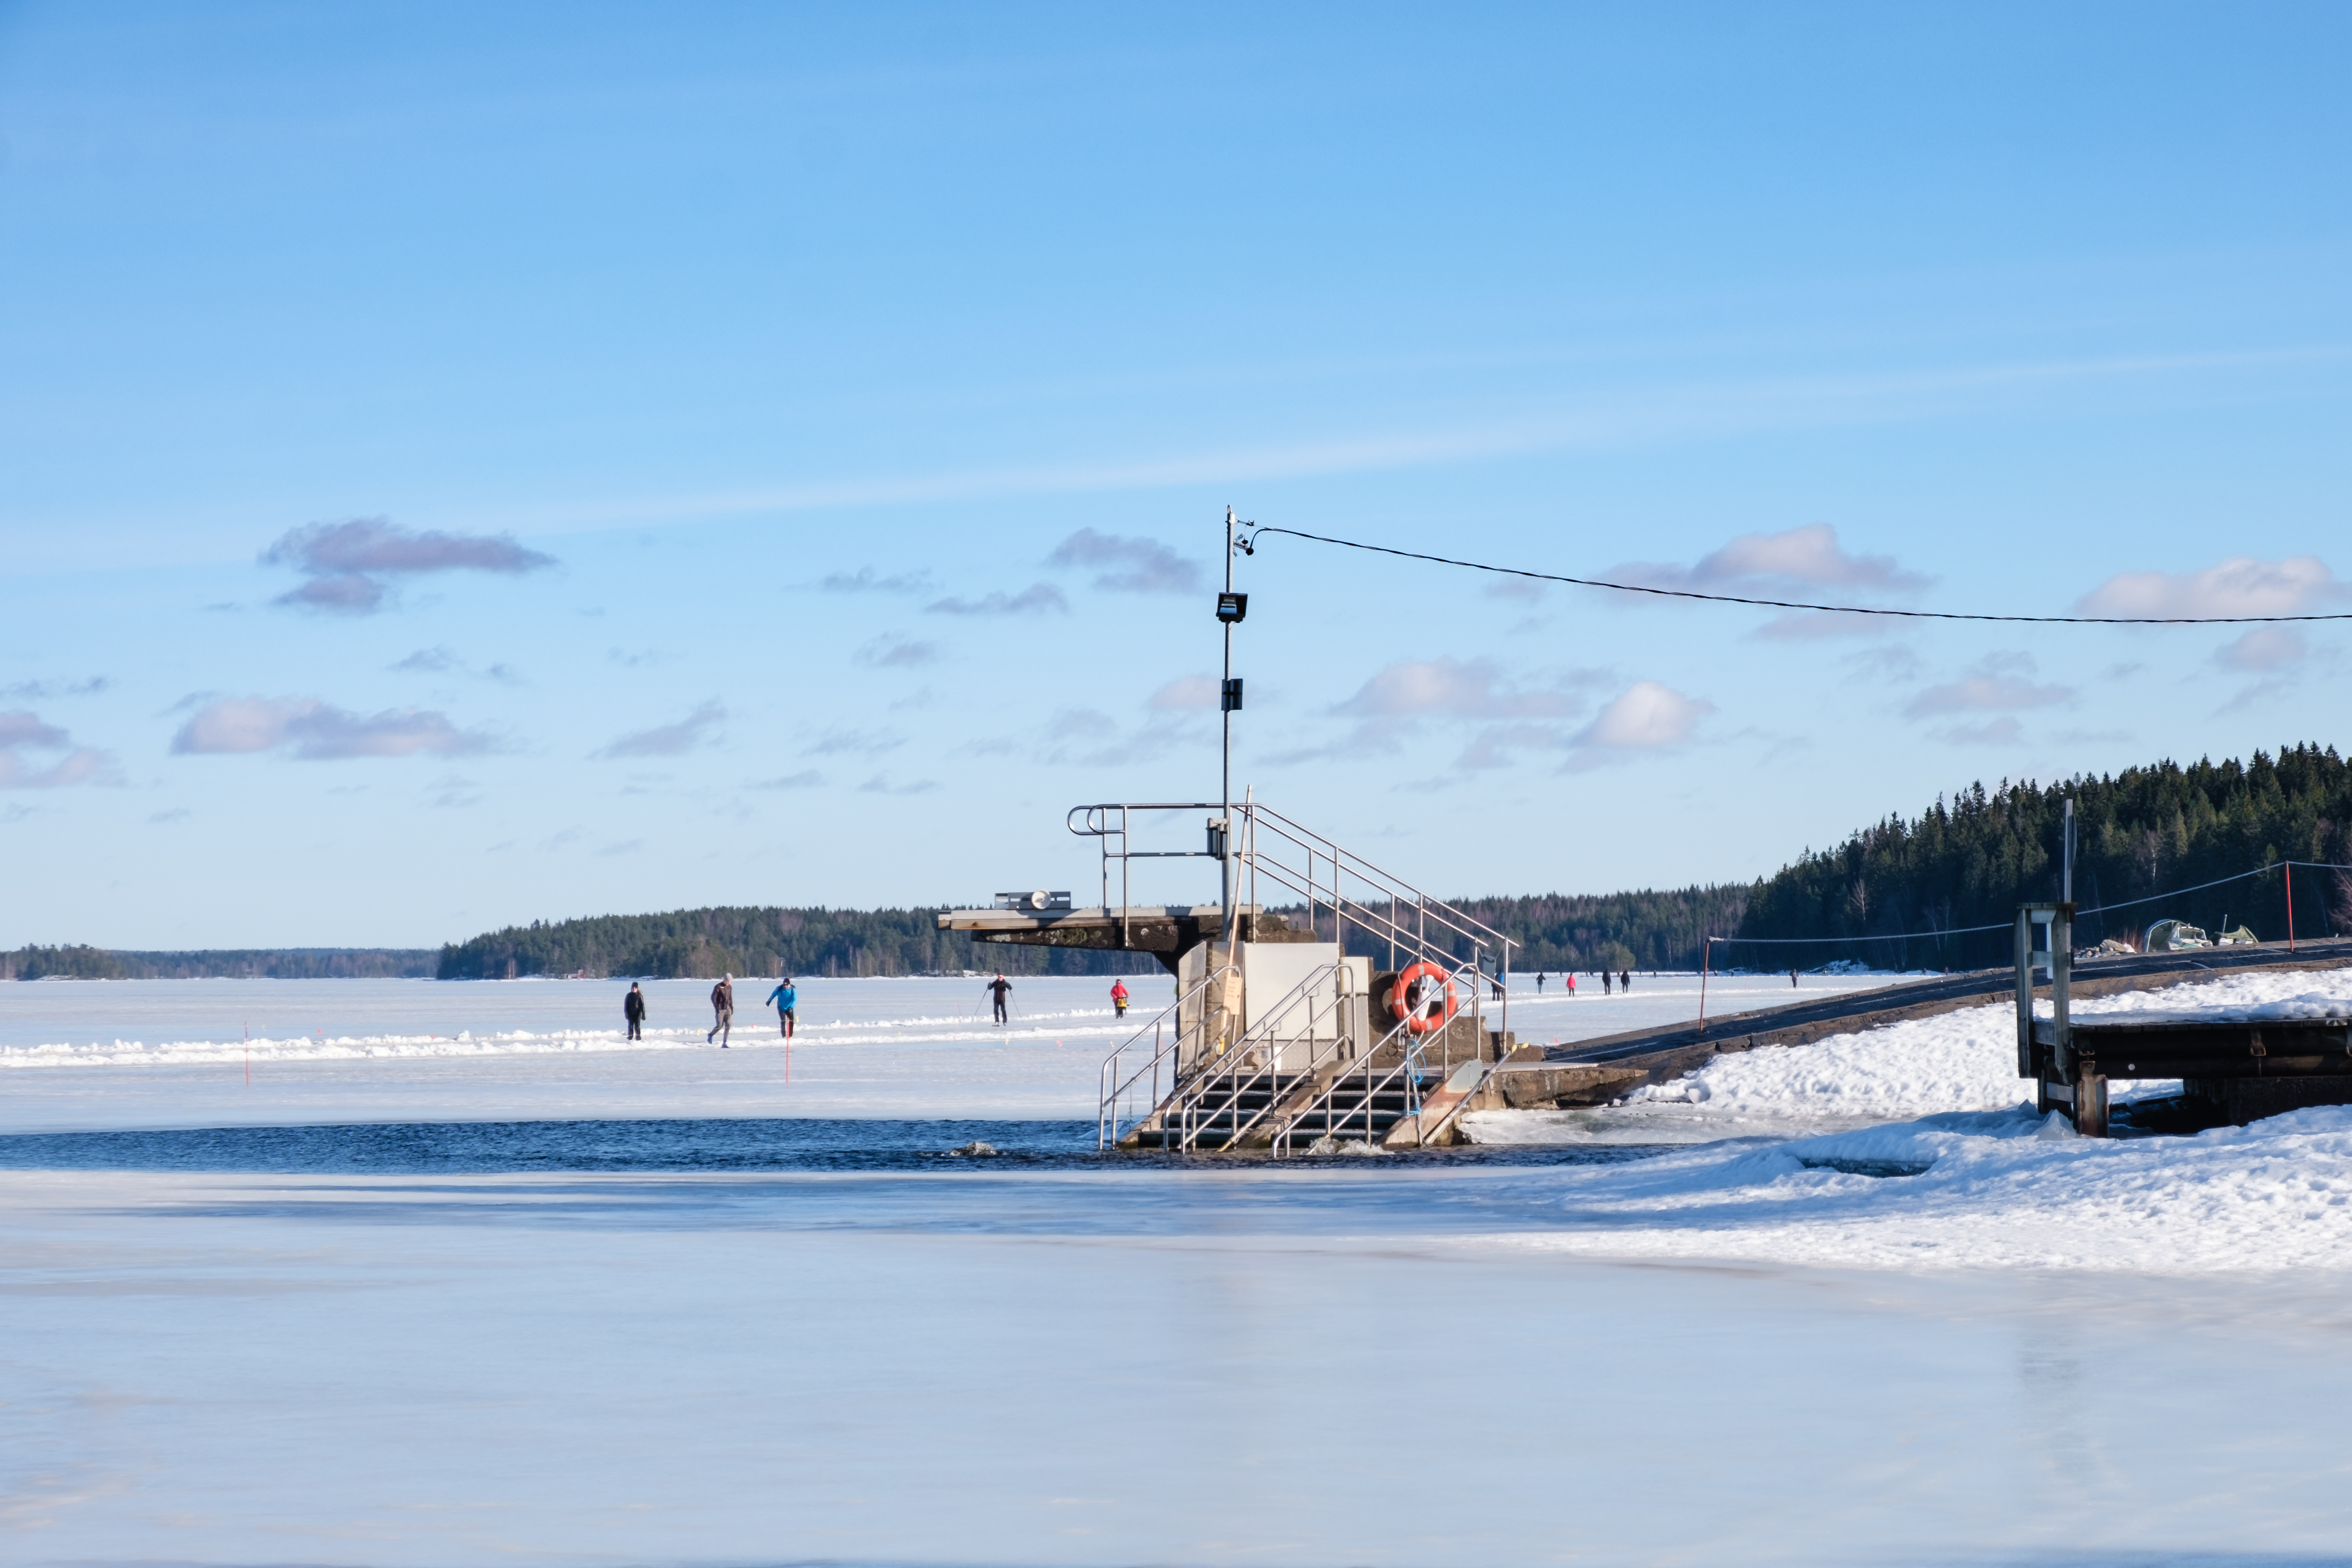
(1233, 1059)
(1273, 1069)
(1381, 904)
(1412, 1060)
(1409, 1063)
(1105, 1131)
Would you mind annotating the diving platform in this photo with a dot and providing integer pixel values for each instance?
(1362, 1011)
(1165, 931)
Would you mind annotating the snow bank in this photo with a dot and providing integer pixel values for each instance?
(1970, 1177)
(1973, 1189)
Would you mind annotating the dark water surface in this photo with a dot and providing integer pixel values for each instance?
(706, 1146)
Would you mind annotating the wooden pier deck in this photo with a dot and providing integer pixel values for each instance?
(1594, 1071)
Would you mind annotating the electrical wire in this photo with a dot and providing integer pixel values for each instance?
(1249, 546)
(2007, 926)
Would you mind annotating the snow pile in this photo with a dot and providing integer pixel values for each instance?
(2001, 1189)
(1964, 1060)
(2259, 996)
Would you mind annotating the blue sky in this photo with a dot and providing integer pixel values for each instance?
(467, 467)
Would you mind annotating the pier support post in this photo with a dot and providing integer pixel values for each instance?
(2090, 1104)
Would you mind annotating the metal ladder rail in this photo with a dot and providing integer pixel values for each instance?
(1409, 1063)
(1107, 1131)
(1187, 1100)
(1377, 922)
(1412, 1063)
(1367, 917)
(1393, 887)
(1315, 1054)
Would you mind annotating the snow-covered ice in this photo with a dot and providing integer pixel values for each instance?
(1871, 1312)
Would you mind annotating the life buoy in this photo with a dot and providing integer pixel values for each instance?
(1423, 996)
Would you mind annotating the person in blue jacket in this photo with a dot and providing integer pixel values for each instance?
(785, 999)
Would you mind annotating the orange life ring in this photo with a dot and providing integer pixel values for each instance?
(1424, 1008)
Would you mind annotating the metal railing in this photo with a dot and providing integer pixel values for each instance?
(1206, 1089)
(1165, 1043)
(1334, 883)
(1412, 1064)
(1409, 1067)
(1258, 1058)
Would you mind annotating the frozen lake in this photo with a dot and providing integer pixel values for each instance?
(460, 1277)
(177, 1053)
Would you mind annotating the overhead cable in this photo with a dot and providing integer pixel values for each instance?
(2007, 926)
(1249, 545)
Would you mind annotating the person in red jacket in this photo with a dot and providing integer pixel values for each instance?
(1119, 996)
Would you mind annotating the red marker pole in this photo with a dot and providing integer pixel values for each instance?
(2289, 869)
(1706, 963)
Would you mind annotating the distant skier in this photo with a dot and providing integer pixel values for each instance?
(722, 1007)
(785, 999)
(1608, 983)
(1571, 983)
(633, 1008)
(1539, 981)
(1792, 979)
(1119, 996)
(998, 987)
(1625, 981)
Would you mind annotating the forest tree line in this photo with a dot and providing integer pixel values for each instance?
(1971, 860)
(84, 963)
(706, 943)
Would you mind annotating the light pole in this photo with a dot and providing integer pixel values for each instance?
(1231, 609)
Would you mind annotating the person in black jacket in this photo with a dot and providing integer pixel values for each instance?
(633, 1008)
(722, 1010)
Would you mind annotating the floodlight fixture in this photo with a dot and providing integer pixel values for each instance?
(1233, 609)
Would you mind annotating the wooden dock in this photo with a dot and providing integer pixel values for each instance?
(1595, 1071)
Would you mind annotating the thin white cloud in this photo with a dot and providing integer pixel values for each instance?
(1765, 565)
(346, 563)
(866, 579)
(1691, 411)
(1185, 694)
(889, 651)
(2300, 584)
(1125, 565)
(34, 755)
(1999, 682)
(313, 731)
(878, 785)
(1472, 688)
(2262, 649)
(1644, 717)
(42, 691)
(1033, 600)
(1818, 626)
(669, 740)
(840, 742)
(1992, 732)
(809, 780)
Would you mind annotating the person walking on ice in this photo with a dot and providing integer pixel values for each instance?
(1119, 996)
(633, 1008)
(785, 999)
(722, 1008)
(997, 987)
